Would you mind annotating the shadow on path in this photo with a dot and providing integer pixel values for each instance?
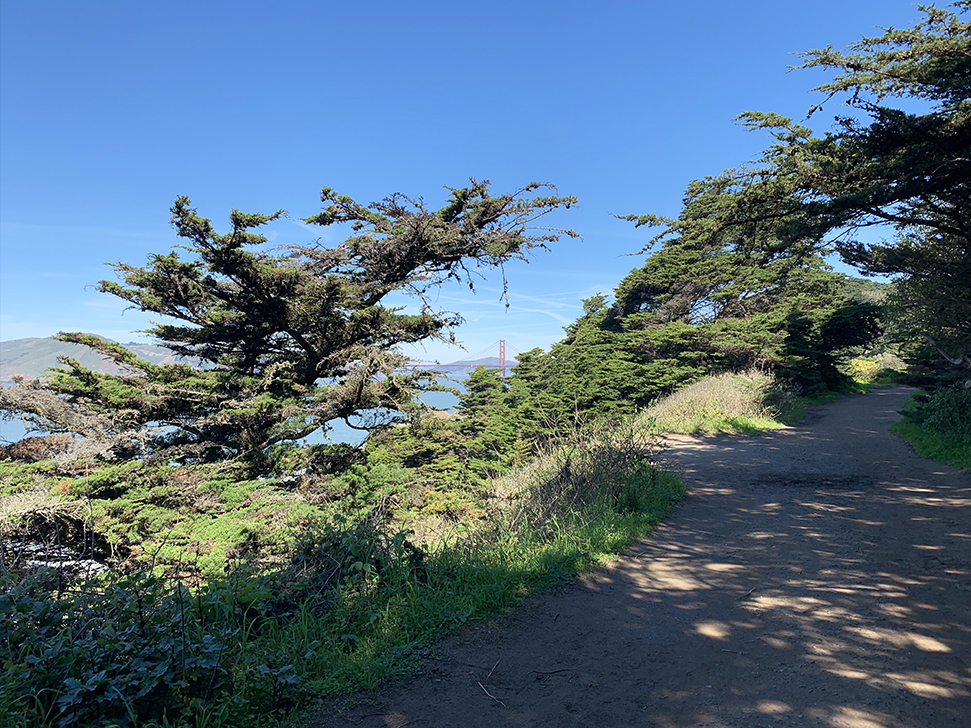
(817, 576)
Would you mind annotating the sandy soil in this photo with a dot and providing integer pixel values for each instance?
(817, 576)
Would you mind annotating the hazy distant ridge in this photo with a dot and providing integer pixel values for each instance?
(489, 361)
(32, 357)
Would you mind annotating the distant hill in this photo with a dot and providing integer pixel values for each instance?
(866, 289)
(489, 361)
(465, 367)
(32, 357)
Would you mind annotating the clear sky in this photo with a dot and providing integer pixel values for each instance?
(109, 110)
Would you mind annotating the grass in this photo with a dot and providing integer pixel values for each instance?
(353, 606)
(579, 503)
(469, 580)
(312, 607)
(949, 448)
(752, 402)
(748, 402)
(164, 518)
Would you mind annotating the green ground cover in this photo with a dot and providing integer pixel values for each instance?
(243, 603)
(939, 426)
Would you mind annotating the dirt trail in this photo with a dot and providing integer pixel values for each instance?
(817, 576)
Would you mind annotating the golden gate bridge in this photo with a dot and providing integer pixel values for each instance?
(483, 358)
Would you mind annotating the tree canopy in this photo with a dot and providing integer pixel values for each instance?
(906, 168)
(292, 339)
(699, 305)
(289, 340)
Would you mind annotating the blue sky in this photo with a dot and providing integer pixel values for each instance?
(109, 110)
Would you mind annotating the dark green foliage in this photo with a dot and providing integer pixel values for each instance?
(489, 419)
(761, 223)
(724, 292)
(814, 340)
(351, 603)
(442, 461)
(290, 340)
(930, 305)
(293, 340)
(128, 650)
(886, 166)
(347, 554)
(852, 325)
(365, 487)
(946, 411)
(124, 651)
(899, 167)
(938, 426)
(739, 279)
(713, 298)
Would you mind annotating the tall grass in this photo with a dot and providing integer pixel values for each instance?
(601, 469)
(746, 402)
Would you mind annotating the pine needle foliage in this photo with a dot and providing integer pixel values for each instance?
(289, 340)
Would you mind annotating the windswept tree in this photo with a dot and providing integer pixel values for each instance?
(932, 302)
(287, 340)
(741, 292)
(902, 170)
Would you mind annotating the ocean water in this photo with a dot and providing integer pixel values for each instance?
(339, 432)
(11, 431)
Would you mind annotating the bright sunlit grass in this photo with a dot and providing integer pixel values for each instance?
(748, 403)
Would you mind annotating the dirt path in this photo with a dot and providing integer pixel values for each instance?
(817, 576)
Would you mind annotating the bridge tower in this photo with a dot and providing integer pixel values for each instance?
(502, 356)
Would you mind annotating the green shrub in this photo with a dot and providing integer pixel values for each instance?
(330, 554)
(883, 368)
(603, 468)
(948, 411)
(937, 426)
(139, 649)
(332, 605)
(117, 651)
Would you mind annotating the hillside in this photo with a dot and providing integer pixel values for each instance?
(465, 366)
(32, 357)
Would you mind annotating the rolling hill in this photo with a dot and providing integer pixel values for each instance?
(32, 357)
